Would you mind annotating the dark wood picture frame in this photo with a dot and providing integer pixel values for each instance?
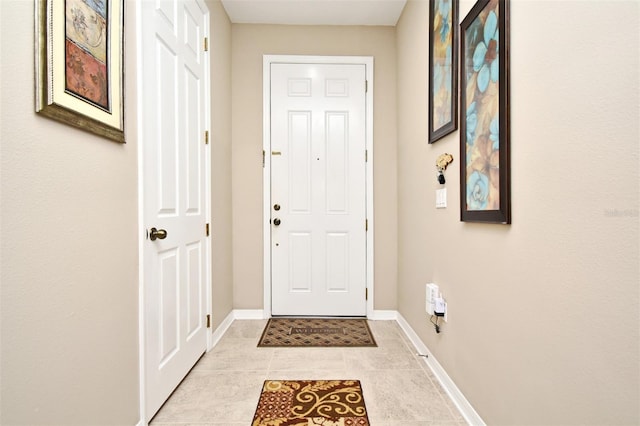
(485, 170)
(443, 68)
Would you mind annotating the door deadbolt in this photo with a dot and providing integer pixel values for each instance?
(276, 207)
(157, 234)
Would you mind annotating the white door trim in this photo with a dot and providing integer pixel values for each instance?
(139, 115)
(367, 61)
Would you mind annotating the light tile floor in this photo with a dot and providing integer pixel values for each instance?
(224, 386)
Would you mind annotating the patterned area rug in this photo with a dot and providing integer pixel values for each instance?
(324, 332)
(305, 403)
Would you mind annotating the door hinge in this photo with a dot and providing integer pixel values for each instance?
(208, 321)
(366, 86)
(206, 44)
(366, 224)
(366, 155)
(263, 154)
(206, 137)
(206, 228)
(366, 294)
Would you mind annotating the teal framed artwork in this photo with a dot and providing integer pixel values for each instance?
(443, 68)
(485, 175)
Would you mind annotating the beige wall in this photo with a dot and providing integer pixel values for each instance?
(529, 341)
(222, 267)
(544, 317)
(250, 43)
(69, 260)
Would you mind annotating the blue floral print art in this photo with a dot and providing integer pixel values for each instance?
(477, 191)
(442, 87)
(482, 112)
(485, 56)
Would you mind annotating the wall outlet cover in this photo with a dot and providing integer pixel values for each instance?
(431, 294)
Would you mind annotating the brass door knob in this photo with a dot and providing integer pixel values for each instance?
(276, 221)
(157, 234)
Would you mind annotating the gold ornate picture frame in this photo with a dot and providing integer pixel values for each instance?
(79, 64)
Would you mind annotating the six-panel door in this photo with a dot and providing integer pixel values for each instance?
(318, 180)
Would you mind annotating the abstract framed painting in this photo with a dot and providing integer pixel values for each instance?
(443, 68)
(485, 172)
(79, 64)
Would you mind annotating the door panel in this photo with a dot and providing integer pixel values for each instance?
(300, 148)
(169, 297)
(337, 261)
(173, 79)
(337, 166)
(300, 262)
(195, 289)
(318, 142)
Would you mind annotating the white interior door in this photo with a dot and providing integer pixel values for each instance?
(318, 189)
(174, 80)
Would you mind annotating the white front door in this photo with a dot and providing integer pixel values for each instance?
(174, 78)
(318, 189)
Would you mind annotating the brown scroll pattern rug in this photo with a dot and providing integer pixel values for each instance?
(309, 402)
(322, 332)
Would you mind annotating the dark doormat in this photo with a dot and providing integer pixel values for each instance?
(317, 332)
(301, 403)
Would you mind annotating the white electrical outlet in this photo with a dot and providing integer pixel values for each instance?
(431, 294)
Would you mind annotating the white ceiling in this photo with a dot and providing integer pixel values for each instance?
(314, 12)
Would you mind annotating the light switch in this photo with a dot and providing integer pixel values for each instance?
(441, 198)
(432, 293)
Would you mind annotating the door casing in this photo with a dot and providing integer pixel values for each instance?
(367, 61)
(139, 116)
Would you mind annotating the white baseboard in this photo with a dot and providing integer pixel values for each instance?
(380, 315)
(248, 314)
(219, 332)
(467, 411)
(255, 314)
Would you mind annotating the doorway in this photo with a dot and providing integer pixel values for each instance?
(318, 194)
(175, 195)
